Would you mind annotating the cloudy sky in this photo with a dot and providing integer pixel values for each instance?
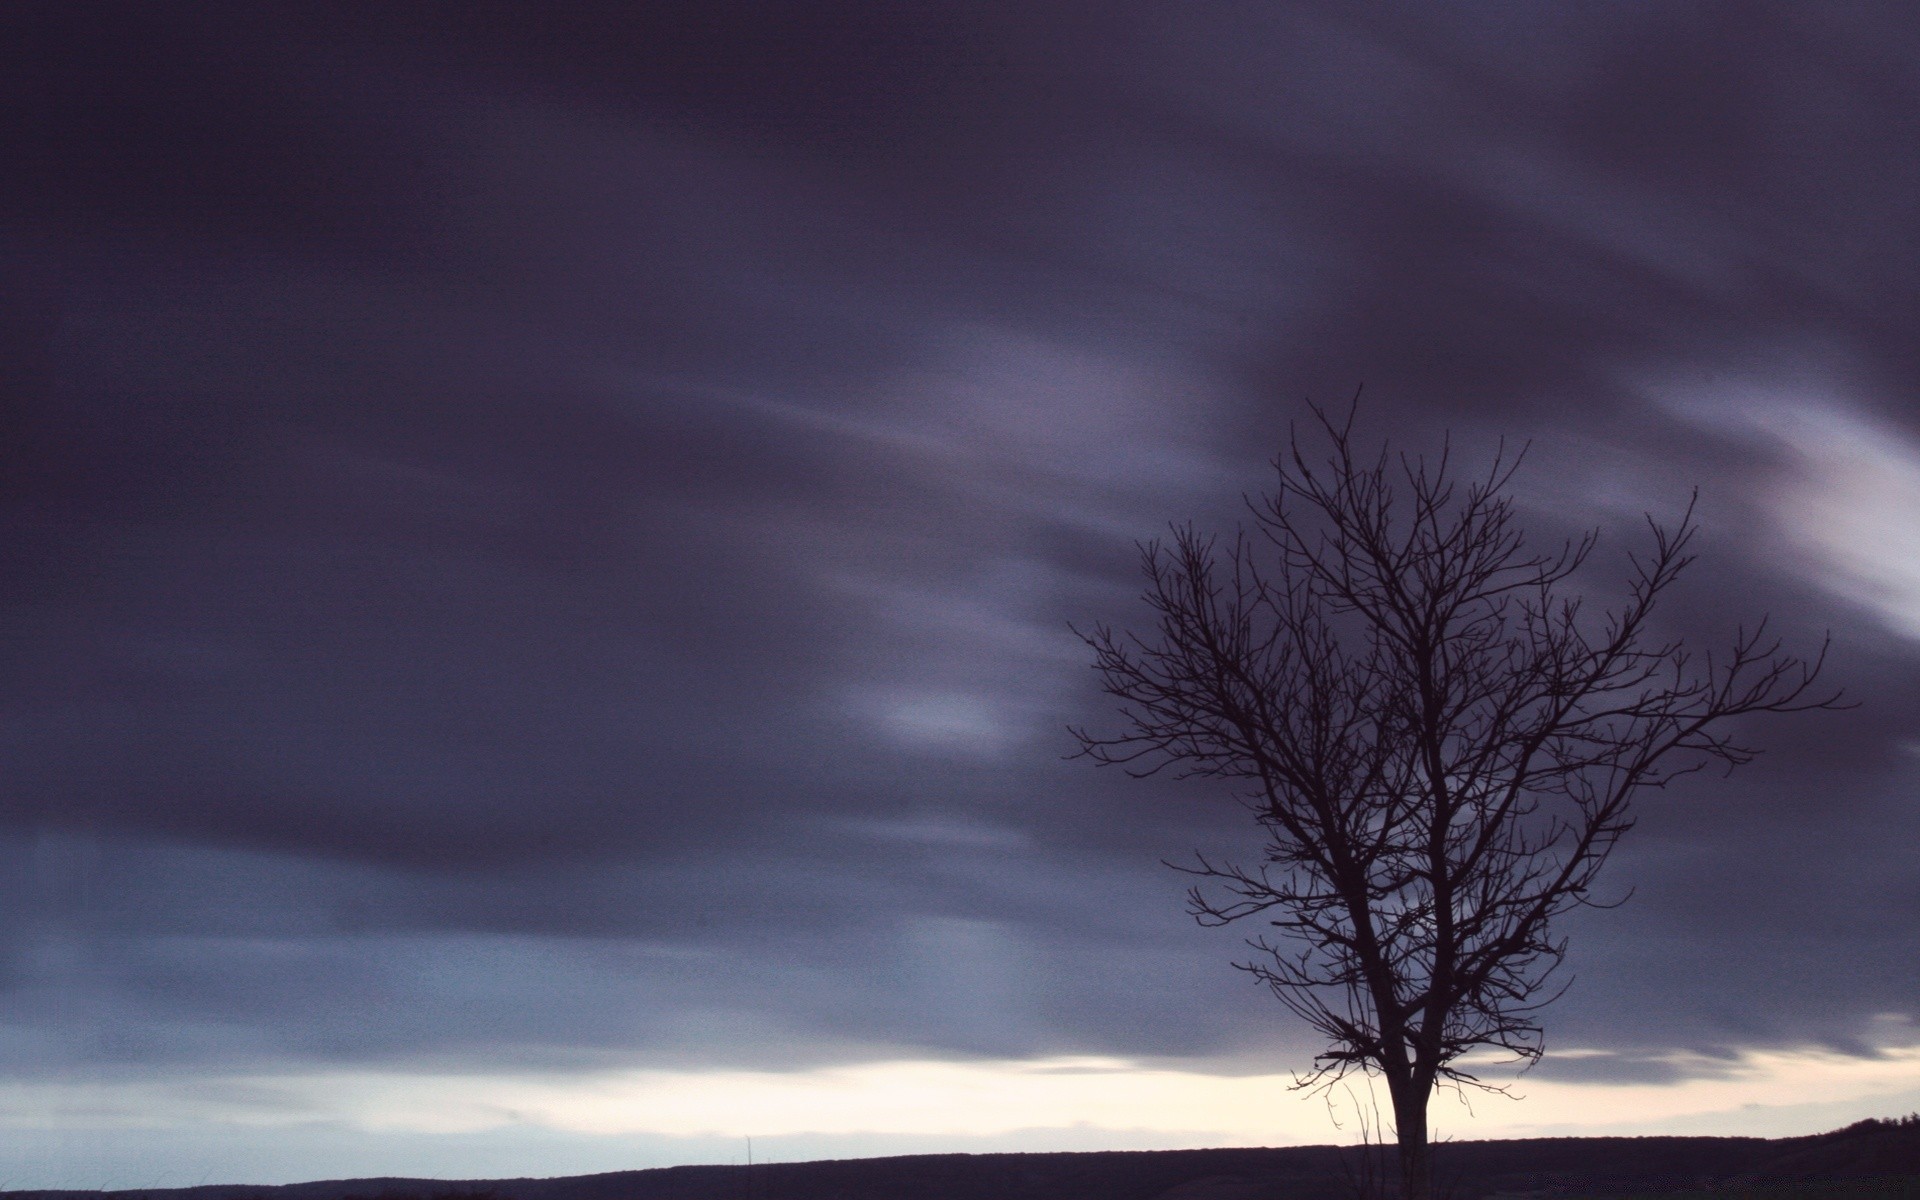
(539, 546)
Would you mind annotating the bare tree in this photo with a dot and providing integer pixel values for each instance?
(1439, 742)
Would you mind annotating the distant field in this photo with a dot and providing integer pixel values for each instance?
(1906, 1187)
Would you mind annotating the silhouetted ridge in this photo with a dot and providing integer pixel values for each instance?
(1466, 1171)
(1864, 1150)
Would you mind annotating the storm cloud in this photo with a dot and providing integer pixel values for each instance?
(550, 536)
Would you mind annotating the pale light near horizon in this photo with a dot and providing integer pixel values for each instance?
(1765, 1093)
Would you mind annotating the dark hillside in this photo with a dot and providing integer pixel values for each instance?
(1466, 1171)
(1870, 1149)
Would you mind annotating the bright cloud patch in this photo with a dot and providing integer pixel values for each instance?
(1850, 499)
(1855, 503)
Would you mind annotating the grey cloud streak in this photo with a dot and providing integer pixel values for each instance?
(559, 490)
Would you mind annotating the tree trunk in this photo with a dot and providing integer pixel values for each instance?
(1410, 1128)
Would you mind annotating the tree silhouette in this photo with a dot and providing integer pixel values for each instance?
(1438, 740)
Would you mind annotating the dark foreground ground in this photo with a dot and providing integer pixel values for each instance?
(1873, 1160)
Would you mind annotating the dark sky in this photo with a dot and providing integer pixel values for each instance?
(540, 539)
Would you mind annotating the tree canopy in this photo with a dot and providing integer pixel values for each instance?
(1438, 738)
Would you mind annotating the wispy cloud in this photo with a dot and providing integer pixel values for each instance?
(1846, 496)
